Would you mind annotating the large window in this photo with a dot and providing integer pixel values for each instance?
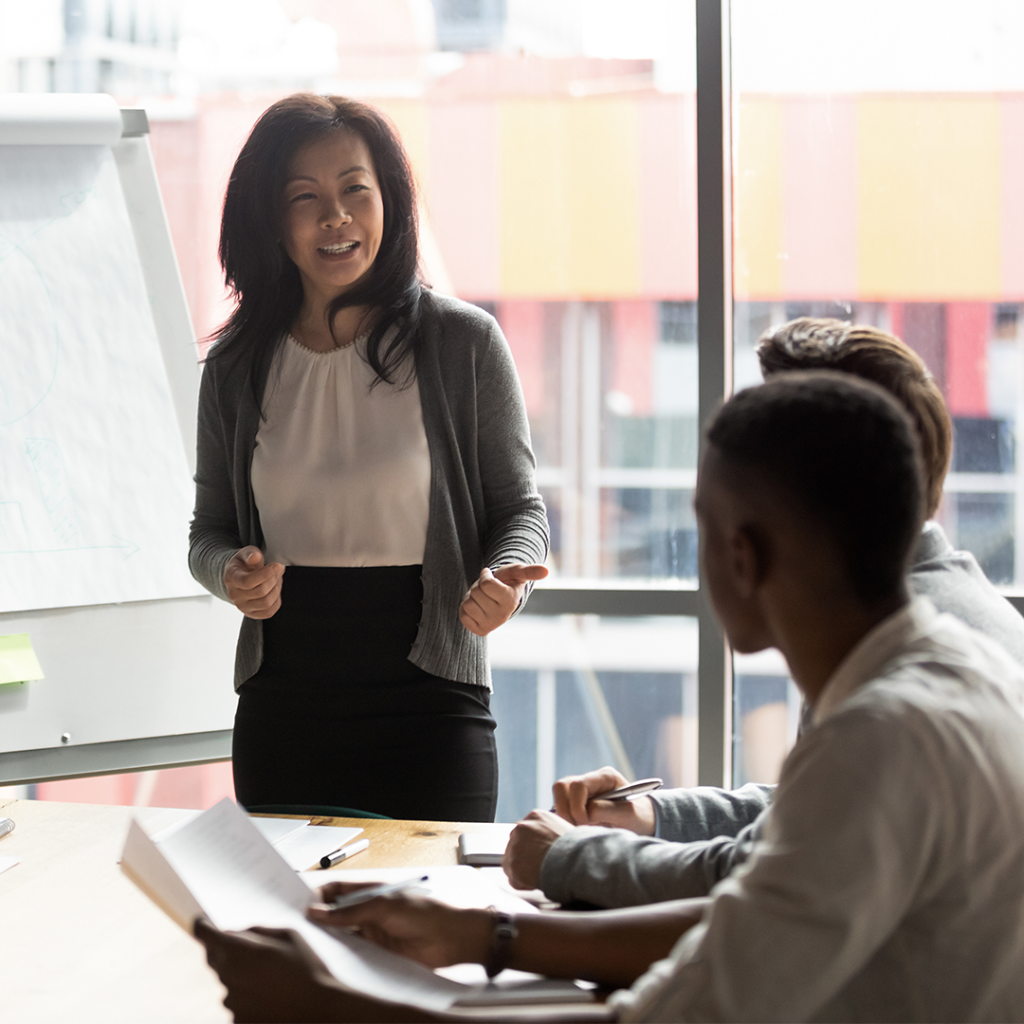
(878, 163)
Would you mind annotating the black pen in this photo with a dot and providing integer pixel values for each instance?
(343, 853)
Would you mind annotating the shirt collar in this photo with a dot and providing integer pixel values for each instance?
(873, 652)
(933, 545)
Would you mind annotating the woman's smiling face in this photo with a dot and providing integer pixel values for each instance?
(333, 219)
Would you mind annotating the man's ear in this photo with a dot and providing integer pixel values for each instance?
(749, 550)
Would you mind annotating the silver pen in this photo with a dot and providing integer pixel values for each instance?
(353, 899)
(631, 790)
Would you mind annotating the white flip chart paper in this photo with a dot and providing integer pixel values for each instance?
(95, 495)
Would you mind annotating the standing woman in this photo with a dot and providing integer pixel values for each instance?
(365, 489)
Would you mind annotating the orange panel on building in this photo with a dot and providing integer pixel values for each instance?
(819, 198)
(668, 196)
(1012, 195)
(461, 194)
(522, 321)
(968, 328)
(635, 333)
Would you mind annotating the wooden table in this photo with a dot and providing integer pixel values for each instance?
(79, 942)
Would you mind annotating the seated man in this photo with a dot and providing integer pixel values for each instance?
(617, 870)
(888, 881)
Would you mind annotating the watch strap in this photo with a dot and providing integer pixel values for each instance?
(503, 934)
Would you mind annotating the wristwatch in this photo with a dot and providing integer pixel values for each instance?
(502, 936)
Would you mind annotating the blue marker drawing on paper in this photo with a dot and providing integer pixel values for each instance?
(20, 275)
(48, 465)
(47, 462)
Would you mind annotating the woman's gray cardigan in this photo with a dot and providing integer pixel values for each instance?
(484, 504)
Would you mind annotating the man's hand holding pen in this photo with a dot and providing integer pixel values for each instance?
(601, 797)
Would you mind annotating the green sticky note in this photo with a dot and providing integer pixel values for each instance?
(18, 662)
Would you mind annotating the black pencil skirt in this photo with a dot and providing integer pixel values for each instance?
(337, 715)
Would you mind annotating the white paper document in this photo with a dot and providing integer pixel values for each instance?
(219, 865)
(274, 830)
(298, 842)
(303, 848)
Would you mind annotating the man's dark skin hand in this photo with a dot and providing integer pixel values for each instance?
(273, 976)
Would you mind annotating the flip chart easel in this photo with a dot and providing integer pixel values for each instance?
(98, 387)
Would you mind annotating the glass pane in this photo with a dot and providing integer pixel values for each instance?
(876, 168)
(613, 410)
(193, 786)
(766, 716)
(574, 692)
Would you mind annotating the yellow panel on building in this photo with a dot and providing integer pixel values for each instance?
(409, 116)
(534, 211)
(569, 199)
(929, 194)
(604, 147)
(757, 184)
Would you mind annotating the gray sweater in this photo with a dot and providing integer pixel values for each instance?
(704, 833)
(484, 505)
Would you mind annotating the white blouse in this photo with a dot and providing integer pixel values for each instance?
(340, 472)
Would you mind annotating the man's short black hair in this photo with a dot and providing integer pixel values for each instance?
(847, 453)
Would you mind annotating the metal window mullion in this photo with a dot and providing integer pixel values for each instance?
(641, 600)
(572, 562)
(714, 346)
(590, 438)
(547, 735)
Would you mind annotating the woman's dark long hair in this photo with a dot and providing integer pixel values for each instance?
(262, 277)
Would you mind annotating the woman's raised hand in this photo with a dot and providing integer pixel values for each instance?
(490, 602)
(253, 588)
